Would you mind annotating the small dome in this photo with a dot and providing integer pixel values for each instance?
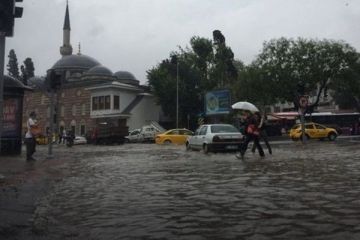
(126, 77)
(76, 61)
(99, 70)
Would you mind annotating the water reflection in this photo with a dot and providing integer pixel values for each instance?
(157, 192)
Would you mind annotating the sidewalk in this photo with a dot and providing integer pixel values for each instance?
(22, 183)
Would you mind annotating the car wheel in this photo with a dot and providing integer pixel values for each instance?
(188, 146)
(306, 137)
(167, 142)
(332, 136)
(206, 149)
(294, 139)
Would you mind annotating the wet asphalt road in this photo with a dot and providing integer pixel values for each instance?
(146, 191)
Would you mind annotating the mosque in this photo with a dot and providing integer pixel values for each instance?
(90, 94)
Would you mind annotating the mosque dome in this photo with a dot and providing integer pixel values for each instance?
(126, 77)
(78, 61)
(99, 70)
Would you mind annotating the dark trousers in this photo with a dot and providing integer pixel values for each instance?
(263, 136)
(30, 147)
(248, 139)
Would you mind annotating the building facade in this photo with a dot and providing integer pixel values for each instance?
(90, 94)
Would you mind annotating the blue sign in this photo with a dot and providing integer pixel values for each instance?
(217, 102)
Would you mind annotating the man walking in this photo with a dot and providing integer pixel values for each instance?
(29, 136)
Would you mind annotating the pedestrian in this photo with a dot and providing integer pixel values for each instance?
(32, 130)
(262, 130)
(251, 134)
(60, 136)
(64, 136)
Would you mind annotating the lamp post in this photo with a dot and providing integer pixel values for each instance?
(177, 93)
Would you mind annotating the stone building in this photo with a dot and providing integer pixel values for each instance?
(90, 94)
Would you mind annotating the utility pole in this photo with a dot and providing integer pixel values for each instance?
(177, 93)
(2, 56)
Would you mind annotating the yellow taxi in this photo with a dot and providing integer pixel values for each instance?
(313, 131)
(176, 136)
(43, 140)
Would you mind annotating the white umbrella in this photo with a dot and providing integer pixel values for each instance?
(245, 106)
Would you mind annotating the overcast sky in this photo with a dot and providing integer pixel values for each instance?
(135, 35)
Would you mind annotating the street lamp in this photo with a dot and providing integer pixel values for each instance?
(177, 93)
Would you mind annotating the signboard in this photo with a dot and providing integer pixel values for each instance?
(217, 102)
(11, 117)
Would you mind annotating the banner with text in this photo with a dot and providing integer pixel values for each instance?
(217, 102)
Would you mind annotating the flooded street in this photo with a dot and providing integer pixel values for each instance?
(146, 191)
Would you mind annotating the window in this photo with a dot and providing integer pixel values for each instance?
(116, 102)
(82, 130)
(203, 130)
(101, 103)
(107, 102)
(95, 103)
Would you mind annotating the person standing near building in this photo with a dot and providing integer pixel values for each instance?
(29, 136)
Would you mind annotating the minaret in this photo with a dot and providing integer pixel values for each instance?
(66, 48)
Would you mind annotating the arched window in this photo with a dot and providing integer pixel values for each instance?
(82, 128)
(73, 126)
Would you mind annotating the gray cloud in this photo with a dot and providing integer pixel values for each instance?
(135, 35)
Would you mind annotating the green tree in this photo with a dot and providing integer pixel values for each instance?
(253, 86)
(12, 66)
(224, 72)
(27, 70)
(163, 81)
(287, 62)
(346, 87)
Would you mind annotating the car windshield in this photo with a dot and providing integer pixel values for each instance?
(223, 129)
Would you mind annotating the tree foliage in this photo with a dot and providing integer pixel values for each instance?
(27, 70)
(287, 62)
(12, 66)
(205, 65)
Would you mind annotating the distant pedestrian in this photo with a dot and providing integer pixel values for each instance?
(30, 141)
(64, 135)
(60, 136)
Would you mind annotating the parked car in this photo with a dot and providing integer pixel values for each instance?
(215, 138)
(134, 136)
(146, 133)
(79, 140)
(176, 136)
(313, 131)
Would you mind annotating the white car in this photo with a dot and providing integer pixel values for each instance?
(79, 140)
(215, 138)
(134, 136)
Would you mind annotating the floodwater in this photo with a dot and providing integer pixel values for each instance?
(146, 191)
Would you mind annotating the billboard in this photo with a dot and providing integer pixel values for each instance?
(11, 116)
(217, 102)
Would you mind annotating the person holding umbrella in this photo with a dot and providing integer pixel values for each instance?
(251, 130)
(262, 131)
(252, 133)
